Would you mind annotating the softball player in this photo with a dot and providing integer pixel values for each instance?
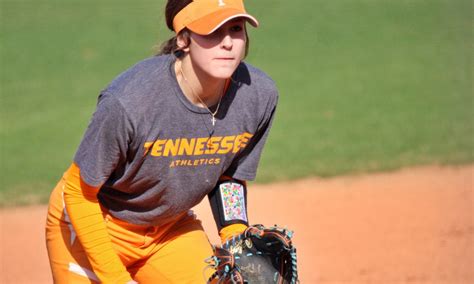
(171, 130)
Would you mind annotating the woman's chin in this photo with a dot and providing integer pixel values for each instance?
(222, 72)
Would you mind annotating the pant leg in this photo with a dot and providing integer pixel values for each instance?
(173, 253)
(67, 258)
(179, 257)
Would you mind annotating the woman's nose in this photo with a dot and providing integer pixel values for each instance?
(227, 41)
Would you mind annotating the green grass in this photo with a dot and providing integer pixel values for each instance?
(364, 85)
(367, 85)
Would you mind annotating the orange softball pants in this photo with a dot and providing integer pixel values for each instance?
(172, 253)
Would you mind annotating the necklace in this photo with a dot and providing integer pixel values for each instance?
(213, 114)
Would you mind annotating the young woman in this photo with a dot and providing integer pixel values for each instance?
(171, 130)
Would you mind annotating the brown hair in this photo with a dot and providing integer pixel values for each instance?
(171, 46)
(172, 9)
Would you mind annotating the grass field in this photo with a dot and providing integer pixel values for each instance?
(365, 85)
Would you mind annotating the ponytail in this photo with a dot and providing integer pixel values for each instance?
(168, 47)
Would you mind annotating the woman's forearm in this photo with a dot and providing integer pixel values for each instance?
(87, 219)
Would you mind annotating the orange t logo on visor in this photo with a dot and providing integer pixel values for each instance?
(205, 16)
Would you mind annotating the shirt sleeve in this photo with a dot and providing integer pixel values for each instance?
(105, 142)
(244, 166)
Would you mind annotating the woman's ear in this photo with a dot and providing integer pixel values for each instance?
(183, 41)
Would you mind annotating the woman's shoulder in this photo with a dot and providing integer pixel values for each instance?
(255, 79)
(138, 87)
(153, 63)
(143, 74)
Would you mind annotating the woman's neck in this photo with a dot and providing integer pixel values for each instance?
(196, 85)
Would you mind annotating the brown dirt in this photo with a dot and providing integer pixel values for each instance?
(409, 226)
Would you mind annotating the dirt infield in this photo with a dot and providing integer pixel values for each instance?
(409, 226)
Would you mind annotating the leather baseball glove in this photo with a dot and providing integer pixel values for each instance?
(259, 255)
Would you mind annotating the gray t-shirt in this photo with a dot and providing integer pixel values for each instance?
(158, 155)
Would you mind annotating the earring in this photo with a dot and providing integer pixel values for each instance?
(178, 53)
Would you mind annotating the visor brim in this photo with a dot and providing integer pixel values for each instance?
(210, 23)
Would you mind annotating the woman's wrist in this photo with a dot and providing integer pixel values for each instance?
(231, 230)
